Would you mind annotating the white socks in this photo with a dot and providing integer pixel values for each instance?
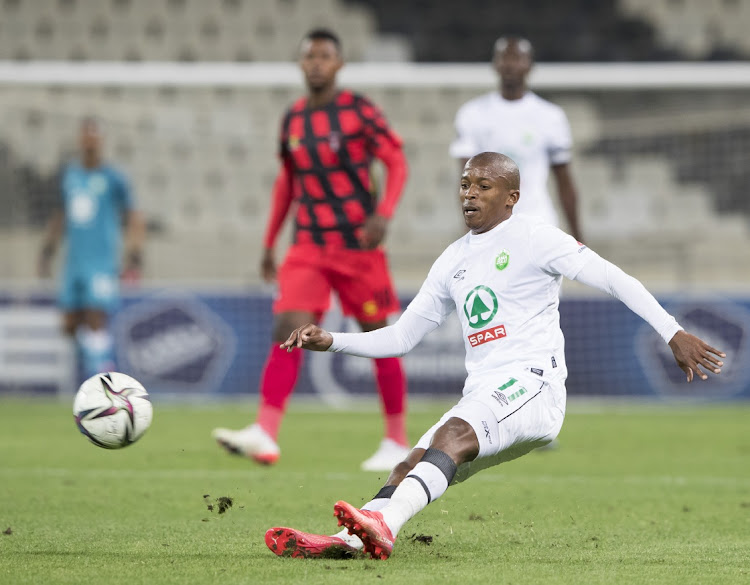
(427, 482)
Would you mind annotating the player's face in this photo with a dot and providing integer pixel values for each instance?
(513, 64)
(486, 198)
(320, 61)
(90, 140)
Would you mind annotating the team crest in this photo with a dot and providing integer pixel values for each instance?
(293, 142)
(502, 259)
(480, 306)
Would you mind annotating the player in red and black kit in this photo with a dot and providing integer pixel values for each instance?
(328, 141)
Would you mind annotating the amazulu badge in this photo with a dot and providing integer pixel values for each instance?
(480, 306)
(502, 259)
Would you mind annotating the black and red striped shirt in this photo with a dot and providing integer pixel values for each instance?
(328, 151)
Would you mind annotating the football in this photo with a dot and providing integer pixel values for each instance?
(112, 410)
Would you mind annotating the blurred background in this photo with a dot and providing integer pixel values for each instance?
(190, 95)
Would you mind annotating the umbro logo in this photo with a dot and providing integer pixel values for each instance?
(459, 275)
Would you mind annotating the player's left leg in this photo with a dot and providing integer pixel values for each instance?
(391, 383)
(364, 286)
(95, 341)
(99, 295)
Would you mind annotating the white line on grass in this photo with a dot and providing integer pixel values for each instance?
(672, 480)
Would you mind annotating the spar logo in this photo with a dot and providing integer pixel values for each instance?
(491, 334)
(480, 306)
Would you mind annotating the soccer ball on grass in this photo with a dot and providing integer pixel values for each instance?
(112, 410)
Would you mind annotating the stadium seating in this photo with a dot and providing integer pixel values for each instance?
(172, 30)
(203, 161)
(260, 30)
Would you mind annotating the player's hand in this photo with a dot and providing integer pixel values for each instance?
(308, 336)
(131, 276)
(268, 266)
(131, 273)
(692, 354)
(373, 232)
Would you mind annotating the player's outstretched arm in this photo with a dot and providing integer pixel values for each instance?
(692, 354)
(308, 336)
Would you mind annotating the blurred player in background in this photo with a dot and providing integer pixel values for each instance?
(96, 201)
(532, 131)
(502, 278)
(328, 141)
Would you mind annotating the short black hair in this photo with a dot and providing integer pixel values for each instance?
(323, 34)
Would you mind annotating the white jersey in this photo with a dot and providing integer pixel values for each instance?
(504, 287)
(532, 131)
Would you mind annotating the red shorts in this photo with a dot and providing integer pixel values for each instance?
(360, 278)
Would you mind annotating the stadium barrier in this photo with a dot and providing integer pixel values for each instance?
(213, 344)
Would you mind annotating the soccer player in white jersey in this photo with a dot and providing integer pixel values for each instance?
(502, 278)
(532, 131)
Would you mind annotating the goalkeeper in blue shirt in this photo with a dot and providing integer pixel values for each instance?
(96, 204)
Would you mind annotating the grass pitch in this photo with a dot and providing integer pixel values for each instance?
(643, 495)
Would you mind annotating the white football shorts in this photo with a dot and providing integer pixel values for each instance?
(511, 413)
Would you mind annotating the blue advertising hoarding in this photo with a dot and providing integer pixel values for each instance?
(215, 344)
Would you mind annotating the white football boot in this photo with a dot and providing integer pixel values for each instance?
(388, 455)
(252, 442)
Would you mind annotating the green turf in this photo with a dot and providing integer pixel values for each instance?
(639, 496)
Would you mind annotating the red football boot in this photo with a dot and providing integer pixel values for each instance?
(368, 526)
(288, 542)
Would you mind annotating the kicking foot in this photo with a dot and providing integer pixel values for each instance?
(376, 537)
(252, 442)
(388, 455)
(288, 542)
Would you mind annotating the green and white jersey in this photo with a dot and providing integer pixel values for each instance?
(533, 132)
(504, 286)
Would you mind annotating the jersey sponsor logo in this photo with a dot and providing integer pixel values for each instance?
(487, 434)
(83, 208)
(480, 306)
(502, 259)
(491, 334)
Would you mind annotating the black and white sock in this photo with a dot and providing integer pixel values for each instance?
(426, 483)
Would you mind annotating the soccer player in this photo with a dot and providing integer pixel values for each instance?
(502, 278)
(532, 131)
(328, 141)
(96, 200)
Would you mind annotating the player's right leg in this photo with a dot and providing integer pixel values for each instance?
(289, 542)
(501, 419)
(363, 283)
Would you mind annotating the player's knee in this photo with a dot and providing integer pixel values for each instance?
(405, 467)
(70, 324)
(458, 439)
(95, 319)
